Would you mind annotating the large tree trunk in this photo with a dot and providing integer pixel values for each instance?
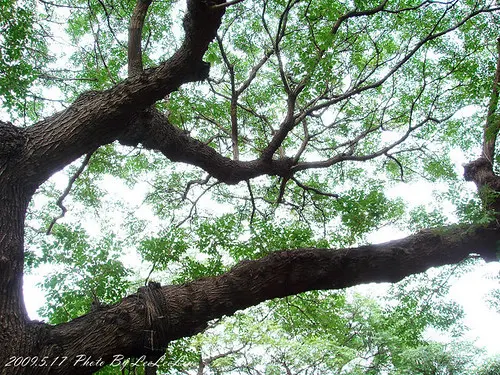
(13, 314)
(14, 200)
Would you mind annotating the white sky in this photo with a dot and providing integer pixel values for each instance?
(471, 292)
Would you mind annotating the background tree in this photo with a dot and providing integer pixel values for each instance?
(291, 97)
(490, 368)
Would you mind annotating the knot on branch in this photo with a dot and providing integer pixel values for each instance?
(12, 139)
(201, 14)
(137, 127)
(199, 72)
(480, 171)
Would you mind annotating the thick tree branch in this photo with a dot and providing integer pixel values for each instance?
(154, 131)
(135, 37)
(173, 312)
(481, 171)
(492, 125)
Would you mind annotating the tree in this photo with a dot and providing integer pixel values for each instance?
(490, 368)
(339, 333)
(291, 97)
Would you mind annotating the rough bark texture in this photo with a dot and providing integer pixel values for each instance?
(153, 130)
(146, 321)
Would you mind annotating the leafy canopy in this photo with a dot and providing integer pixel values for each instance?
(376, 100)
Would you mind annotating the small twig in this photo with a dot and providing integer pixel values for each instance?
(314, 190)
(66, 192)
(252, 199)
(225, 5)
(193, 182)
(150, 273)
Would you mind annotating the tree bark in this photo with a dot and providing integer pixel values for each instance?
(143, 323)
(14, 199)
(147, 320)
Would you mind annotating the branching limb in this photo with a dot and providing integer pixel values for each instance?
(211, 359)
(350, 155)
(281, 194)
(285, 127)
(276, 39)
(304, 143)
(194, 204)
(314, 190)
(254, 71)
(401, 169)
(227, 4)
(108, 16)
(234, 100)
(236, 92)
(432, 35)
(60, 200)
(177, 145)
(98, 118)
(353, 14)
(252, 200)
(194, 182)
(97, 46)
(481, 171)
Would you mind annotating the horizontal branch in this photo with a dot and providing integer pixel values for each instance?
(171, 312)
(153, 130)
